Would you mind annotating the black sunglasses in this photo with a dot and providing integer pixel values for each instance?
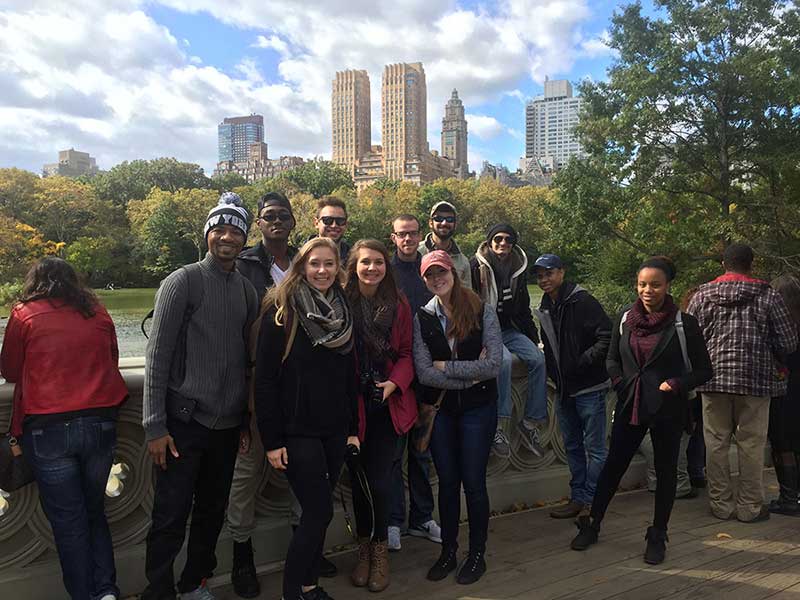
(443, 219)
(499, 239)
(283, 217)
(331, 220)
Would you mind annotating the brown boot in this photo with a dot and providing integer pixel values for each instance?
(361, 571)
(379, 566)
(568, 511)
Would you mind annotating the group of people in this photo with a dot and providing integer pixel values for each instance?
(327, 355)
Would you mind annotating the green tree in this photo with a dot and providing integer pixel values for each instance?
(318, 177)
(133, 180)
(692, 141)
(228, 181)
(17, 190)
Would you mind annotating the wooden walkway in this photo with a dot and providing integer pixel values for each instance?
(529, 558)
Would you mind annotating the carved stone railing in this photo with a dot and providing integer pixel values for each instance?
(29, 566)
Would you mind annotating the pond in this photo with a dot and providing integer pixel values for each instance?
(127, 307)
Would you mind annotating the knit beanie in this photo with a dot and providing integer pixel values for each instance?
(501, 228)
(229, 210)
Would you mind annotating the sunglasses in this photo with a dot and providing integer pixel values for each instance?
(499, 239)
(443, 219)
(328, 221)
(271, 217)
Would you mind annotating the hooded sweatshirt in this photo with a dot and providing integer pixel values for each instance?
(747, 327)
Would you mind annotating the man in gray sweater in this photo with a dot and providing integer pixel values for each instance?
(195, 403)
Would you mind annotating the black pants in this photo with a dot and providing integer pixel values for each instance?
(197, 482)
(376, 457)
(313, 470)
(625, 440)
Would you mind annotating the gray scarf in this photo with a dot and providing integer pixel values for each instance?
(325, 318)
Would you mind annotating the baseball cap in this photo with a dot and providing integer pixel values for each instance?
(548, 261)
(443, 206)
(438, 258)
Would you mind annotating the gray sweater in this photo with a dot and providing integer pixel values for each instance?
(458, 374)
(216, 350)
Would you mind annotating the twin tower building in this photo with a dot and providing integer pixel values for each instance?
(404, 153)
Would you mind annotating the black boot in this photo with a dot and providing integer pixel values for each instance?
(472, 569)
(786, 470)
(656, 546)
(243, 573)
(587, 533)
(448, 561)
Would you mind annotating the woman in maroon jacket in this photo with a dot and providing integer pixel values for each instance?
(60, 348)
(387, 405)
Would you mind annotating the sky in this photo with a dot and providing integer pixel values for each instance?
(130, 79)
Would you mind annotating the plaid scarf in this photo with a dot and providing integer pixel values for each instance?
(325, 318)
(374, 325)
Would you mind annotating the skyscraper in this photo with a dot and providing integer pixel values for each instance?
(550, 122)
(71, 163)
(454, 135)
(350, 116)
(235, 134)
(404, 126)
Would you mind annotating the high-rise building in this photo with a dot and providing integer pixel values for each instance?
(550, 122)
(454, 135)
(404, 125)
(258, 165)
(350, 116)
(71, 163)
(235, 134)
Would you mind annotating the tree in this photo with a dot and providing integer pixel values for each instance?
(17, 189)
(133, 180)
(22, 245)
(227, 181)
(693, 140)
(318, 177)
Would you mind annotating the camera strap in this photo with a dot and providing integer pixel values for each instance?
(358, 477)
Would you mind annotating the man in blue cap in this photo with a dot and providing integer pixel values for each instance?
(576, 333)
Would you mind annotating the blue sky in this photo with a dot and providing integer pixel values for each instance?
(126, 79)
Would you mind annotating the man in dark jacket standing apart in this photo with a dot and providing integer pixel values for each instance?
(194, 411)
(746, 326)
(499, 275)
(576, 333)
(264, 265)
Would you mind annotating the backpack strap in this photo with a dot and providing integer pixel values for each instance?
(682, 340)
(622, 320)
(195, 292)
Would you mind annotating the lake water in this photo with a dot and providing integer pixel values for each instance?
(127, 307)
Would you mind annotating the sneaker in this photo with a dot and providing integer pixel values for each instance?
(472, 569)
(530, 438)
(446, 563)
(430, 530)
(501, 447)
(201, 593)
(109, 597)
(316, 593)
(587, 534)
(568, 511)
(763, 515)
(393, 539)
(692, 493)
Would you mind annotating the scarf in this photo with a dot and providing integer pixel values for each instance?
(645, 331)
(374, 321)
(325, 318)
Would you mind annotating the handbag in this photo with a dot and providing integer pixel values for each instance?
(15, 472)
(421, 434)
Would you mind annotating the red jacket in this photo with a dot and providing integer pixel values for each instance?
(403, 403)
(60, 360)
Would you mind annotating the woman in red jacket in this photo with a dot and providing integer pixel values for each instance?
(387, 405)
(60, 348)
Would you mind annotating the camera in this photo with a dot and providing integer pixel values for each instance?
(371, 392)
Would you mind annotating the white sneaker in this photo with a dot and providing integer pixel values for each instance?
(430, 530)
(109, 597)
(393, 540)
(201, 593)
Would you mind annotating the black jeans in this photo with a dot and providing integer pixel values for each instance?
(625, 440)
(376, 457)
(197, 482)
(460, 446)
(313, 470)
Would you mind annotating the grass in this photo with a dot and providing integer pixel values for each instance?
(134, 301)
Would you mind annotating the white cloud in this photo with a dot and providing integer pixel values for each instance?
(108, 79)
(598, 46)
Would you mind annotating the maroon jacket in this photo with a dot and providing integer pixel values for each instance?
(746, 326)
(403, 403)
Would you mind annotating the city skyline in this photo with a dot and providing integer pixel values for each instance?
(148, 80)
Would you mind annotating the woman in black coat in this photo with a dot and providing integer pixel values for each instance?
(653, 379)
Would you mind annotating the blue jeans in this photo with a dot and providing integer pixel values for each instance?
(536, 401)
(583, 424)
(460, 446)
(71, 462)
(420, 494)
